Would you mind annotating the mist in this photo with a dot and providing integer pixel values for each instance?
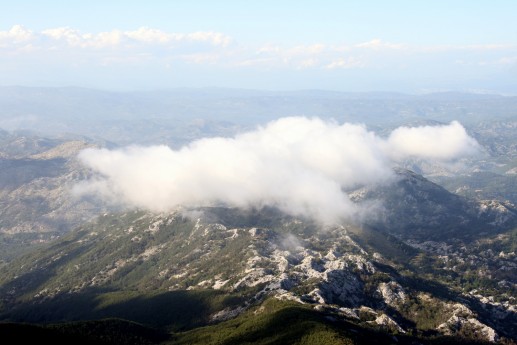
(299, 165)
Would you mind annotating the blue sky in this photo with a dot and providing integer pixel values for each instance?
(408, 46)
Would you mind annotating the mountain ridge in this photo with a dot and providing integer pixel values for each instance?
(241, 260)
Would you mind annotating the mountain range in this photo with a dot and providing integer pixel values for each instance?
(146, 267)
(432, 261)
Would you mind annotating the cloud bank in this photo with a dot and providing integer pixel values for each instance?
(432, 142)
(153, 58)
(161, 47)
(51, 38)
(297, 164)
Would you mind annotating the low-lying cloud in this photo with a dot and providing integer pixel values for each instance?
(432, 142)
(297, 164)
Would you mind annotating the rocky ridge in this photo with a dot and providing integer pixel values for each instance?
(327, 268)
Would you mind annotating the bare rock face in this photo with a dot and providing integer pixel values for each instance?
(392, 293)
(458, 324)
(387, 322)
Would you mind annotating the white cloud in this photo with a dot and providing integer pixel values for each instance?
(15, 36)
(488, 47)
(314, 49)
(215, 38)
(258, 62)
(292, 52)
(297, 57)
(346, 63)
(453, 141)
(298, 164)
(17, 33)
(135, 59)
(268, 49)
(107, 39)
(201, 58)
(473, 48)
(73, 38)
(307, 63)
(148, 35)
(379, 44)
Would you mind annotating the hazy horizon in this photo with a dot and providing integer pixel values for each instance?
(229, 90)
(371, 46)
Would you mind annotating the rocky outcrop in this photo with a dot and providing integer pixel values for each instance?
(392, 293)
(468, 326)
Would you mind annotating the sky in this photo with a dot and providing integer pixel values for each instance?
(398, 46)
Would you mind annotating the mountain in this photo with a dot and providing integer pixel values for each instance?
(432, 262)
(484, 185)
(414, 208)
(36, 178)
(177, 116)
(229, 268)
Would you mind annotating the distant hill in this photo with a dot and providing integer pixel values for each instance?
(177, 116)
(415, 208)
